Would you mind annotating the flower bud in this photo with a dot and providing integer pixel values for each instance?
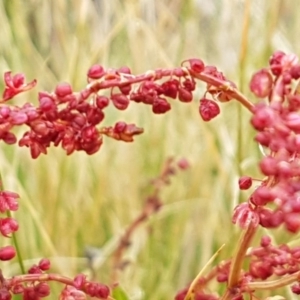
(120, 101)
(184, 95)
(197, 65)
(44, 264)
(96, 72)
(102, 101)
(245, 182)
(160, 106)
(261, 83)
(7, 253)
(63, 89)
(208, 109)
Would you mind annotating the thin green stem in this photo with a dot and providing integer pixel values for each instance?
(274, 284)
(14, 236)
(242, 61)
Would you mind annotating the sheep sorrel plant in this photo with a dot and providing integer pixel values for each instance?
(73, 120)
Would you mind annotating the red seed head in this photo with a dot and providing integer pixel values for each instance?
(42, 289)
(295, 71)
(184, 95)
(44, 264)
(96, 72)
(296, 288)
(18, 80)
(183, 164)
(160, 106)
(102, 102)
(47, 104)
(197, 65)
(265, 241)
(275, 62)
(170, 88)
(63, 89)
(120, 101)
(7, 253)
(208, 109)
(245, 182)
(261, 83)
(8, 226)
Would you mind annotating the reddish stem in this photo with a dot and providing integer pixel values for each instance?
(224, 86)
(238, 259)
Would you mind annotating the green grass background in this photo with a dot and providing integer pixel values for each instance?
(69, 203)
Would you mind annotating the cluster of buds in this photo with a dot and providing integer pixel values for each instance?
(72, 119)
(276, 200)
(35, 285)
(8, 225)
(268, 260)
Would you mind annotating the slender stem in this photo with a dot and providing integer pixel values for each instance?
(274, 284)
(238, 259)
(117, 80)
(242, 61)
(14, 237)
(191, 292)
(226, 87)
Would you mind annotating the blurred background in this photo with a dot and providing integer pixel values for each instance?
(72, 203)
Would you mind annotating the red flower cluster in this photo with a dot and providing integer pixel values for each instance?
(34, 285)
(71, 119)
(268, 260)
(278, 124)
(8, 225)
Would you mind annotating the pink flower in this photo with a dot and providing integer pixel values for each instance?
(261, 83)
(8, 226)
(8, 201)
(208, 109)
(7, 253)
(15, 85)
(244, 215)
(245, 182)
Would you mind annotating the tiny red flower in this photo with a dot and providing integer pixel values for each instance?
(197, 65)
(42, 289)
(184, 95)
(96, 72)
(63, 89)
(15, 85)
(245, 182)
(208, 109)
(44, 264)
(265, 241)
(170, 88)
(102, 101)
(183, 164)
(8, 201)
(160, 106)
(120, 101)
(244, 215)
(7, 253)
(261, 83)
(8, 226)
